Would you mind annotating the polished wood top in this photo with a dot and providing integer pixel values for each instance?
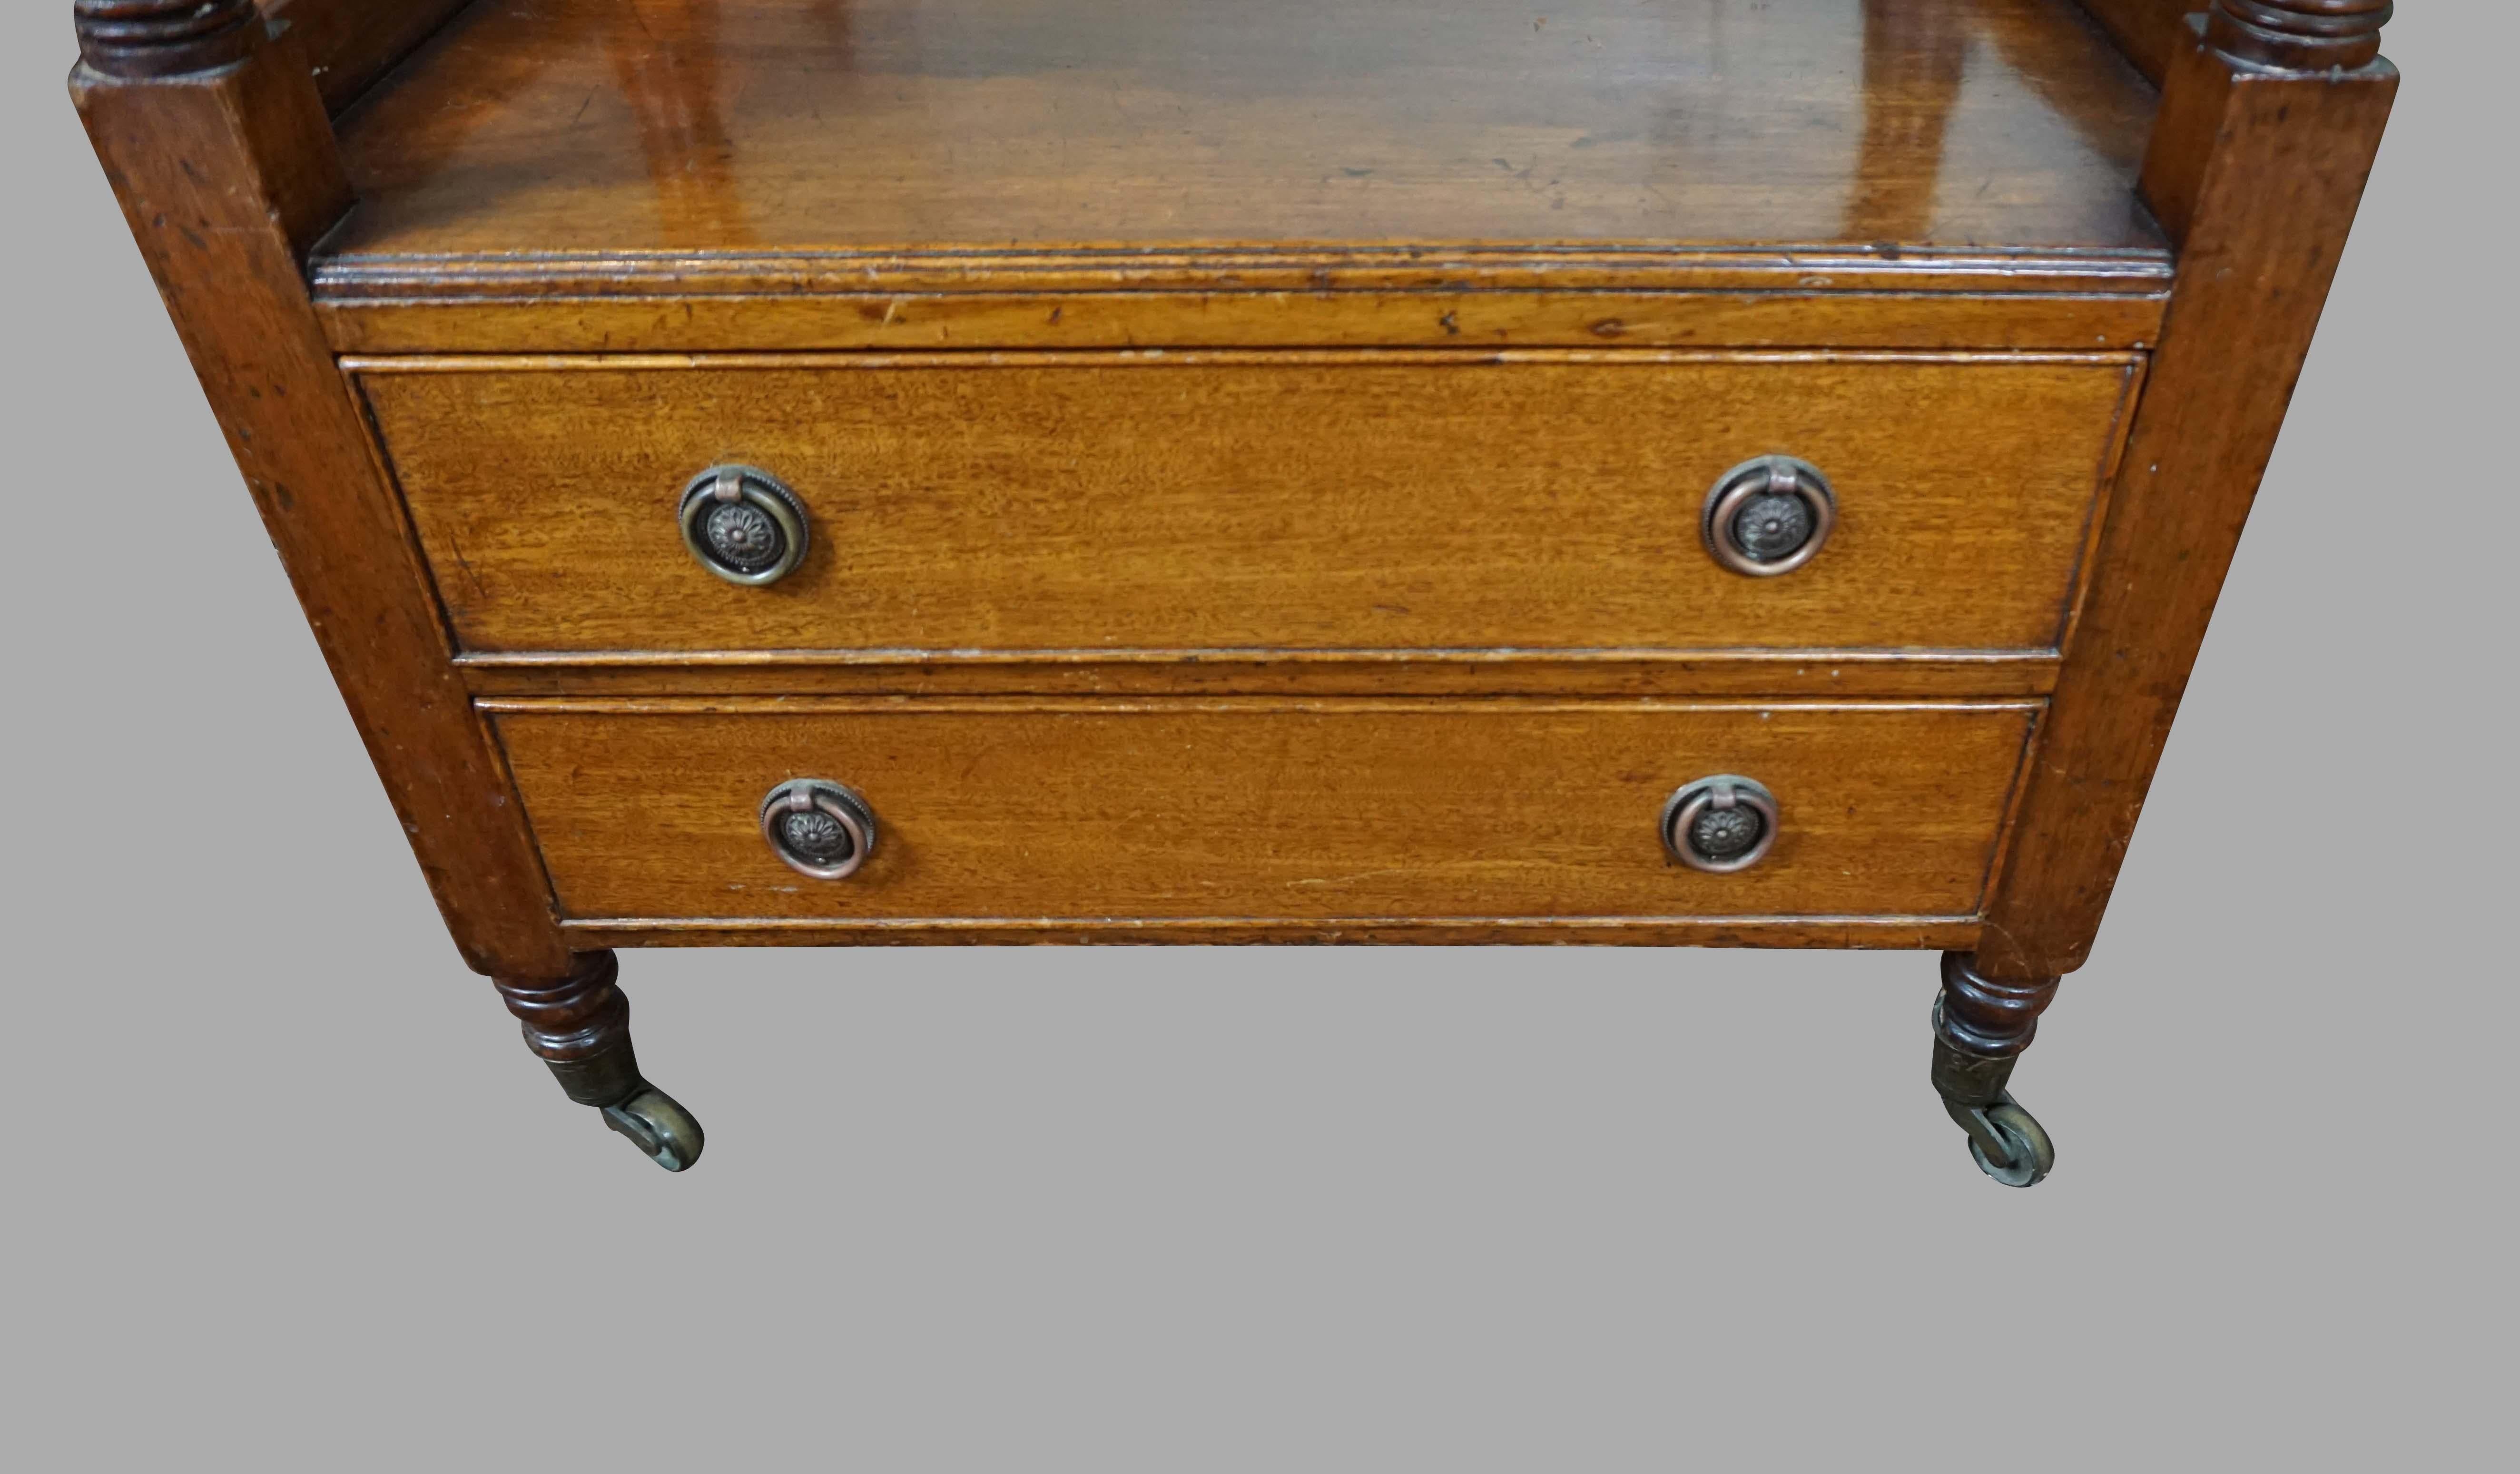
(649, 129)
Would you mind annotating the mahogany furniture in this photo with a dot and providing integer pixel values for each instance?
(1693, 473)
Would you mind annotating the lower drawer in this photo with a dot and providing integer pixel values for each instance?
(1320, 811)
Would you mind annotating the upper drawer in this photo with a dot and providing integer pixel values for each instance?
(1356, 500)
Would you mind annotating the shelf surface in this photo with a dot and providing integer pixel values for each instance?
(657, 135)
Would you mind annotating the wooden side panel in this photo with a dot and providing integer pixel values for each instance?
(2149, 31)
(224, 177)
(1341, 810)
(1232, 502)
(2259, 173)
(350, 44)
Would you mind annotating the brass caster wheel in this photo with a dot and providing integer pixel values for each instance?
(658, 1125)
(2009, 1143)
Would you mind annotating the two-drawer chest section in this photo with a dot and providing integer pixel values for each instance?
(766, 471)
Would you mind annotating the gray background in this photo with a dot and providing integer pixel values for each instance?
(283, 1189)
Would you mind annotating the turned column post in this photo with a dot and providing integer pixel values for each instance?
(1981, 1026)
(2298, 35)
(580, 1026)
(147, 38)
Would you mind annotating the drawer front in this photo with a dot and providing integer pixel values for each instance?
(1261, 808)
(1252, 502)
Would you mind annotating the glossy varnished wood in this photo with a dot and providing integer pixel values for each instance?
(2260, 173)
(1182, 503)
(1288, 672)
(350, 43)
(1276, 626)
(367, 316)
(2149, 31)
(1242, 811)
(224, 177)
(593, 149)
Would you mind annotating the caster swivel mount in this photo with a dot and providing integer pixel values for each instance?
(1981, 1026)
(579, 1025)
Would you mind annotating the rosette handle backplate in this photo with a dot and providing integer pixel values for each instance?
(818, 829)
(1721, 823)
(744, 524)
(1768, 515)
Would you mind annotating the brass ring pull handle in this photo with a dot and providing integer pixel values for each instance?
(1768, 515)
(819, 830)
(1720, 825)
(744, 524)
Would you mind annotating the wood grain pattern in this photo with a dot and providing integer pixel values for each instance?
(1186, 502)
(224, 178)
(2149, 31)
(1248, 810)
(350, 44)
(1817, 316)
(2261, 174)
(665, 130)
(1393, 672)
(1879, 268)
(1879, 933)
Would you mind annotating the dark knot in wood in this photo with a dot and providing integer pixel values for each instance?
(165, 37)
(2298, 35)
(1991, 1017)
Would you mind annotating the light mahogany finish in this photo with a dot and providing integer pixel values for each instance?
(1210, 173)
(1452, 811)
(2149, 31)
(792, 175)
(690, 126)
(1289, 672)
(1254, 450)
(1795, 309)
(2260, 173)
(225, 178)
(351, 43)
(1349, 500)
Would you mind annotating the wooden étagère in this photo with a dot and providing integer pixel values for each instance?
(768, 473)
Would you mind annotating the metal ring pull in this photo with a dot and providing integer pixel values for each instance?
(1720, 825)
(744, 524)
(820, 829)
(1768, 515)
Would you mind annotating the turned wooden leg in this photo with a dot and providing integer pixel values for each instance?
(1981, 1026)
(580, 1026)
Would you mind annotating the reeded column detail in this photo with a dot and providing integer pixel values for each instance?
(1981, 1026)
(142, 39)
(2298, 35)
(579, 1026)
